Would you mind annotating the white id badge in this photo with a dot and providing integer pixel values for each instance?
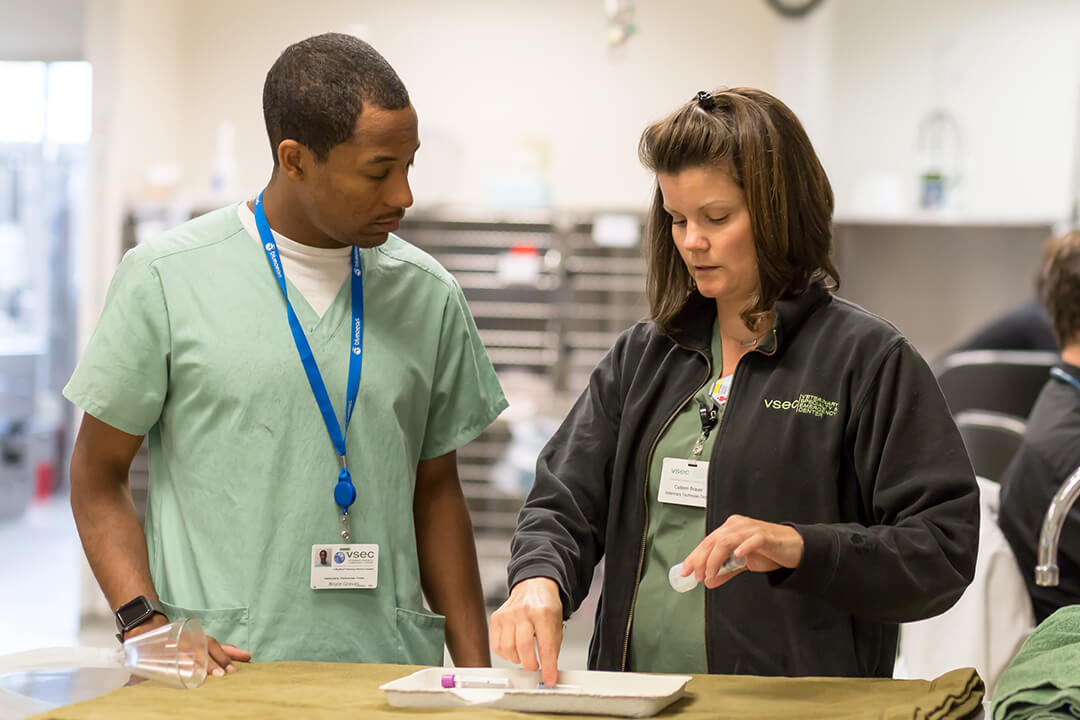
(684, 482)
(344, 567)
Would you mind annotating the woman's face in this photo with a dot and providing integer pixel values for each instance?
(711, 228)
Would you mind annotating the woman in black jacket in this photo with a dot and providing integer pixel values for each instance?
(791, 450)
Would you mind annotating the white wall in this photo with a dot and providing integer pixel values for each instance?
(804, 69)
(41, 30)
(491, 77)
(486, 75)
(135, 51)
(1009, 72)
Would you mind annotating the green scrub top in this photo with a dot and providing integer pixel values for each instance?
(668, 630)
(193, 347)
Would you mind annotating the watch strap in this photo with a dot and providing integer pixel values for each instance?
(146, 608)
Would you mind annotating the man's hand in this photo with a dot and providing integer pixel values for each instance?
(765, 547)
(111, 534)
(533, 611)
(221, 654)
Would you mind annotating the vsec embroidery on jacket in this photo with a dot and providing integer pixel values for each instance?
(806, 404)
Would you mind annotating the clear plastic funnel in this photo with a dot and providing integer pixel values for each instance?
(173, 654)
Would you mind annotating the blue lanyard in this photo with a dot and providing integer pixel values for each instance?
(344, 490)
(1065, 377)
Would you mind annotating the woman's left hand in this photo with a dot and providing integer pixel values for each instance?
(765, 546)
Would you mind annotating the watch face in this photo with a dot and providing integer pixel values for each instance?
(133, 612)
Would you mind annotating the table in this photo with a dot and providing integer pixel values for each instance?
(330, 691)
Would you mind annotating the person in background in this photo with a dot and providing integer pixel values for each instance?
(756, 419)
(241, 343)
(1026, 327)
(1050, 451)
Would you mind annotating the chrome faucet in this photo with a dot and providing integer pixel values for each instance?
(1046, 572)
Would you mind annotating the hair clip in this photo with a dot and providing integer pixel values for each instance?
(706, 100)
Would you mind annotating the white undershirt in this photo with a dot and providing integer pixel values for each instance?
(318, 273)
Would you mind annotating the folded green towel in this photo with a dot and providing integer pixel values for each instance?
(1043, 680)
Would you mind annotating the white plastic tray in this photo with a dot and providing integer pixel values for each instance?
(593, 693)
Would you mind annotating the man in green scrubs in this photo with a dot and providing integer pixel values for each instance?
(194, 349)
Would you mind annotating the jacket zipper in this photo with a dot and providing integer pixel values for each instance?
(716, 443)
(645, 499)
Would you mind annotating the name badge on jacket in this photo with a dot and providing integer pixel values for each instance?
(684, 482)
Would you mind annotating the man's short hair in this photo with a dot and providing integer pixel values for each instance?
(317, 89)
(1059, 285)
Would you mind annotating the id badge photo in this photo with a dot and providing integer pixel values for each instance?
(344, 567)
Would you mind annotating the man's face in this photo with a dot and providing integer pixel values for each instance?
(360, 192)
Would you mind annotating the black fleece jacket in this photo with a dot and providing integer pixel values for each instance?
(1049, 454)
(840, 432)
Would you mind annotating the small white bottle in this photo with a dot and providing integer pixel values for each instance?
(688, 583)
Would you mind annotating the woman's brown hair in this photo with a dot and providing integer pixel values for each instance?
(757, 140)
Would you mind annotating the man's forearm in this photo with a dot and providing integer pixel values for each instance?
(450, 575)
(111, 534)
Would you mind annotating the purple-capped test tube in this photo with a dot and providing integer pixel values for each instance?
(453, 680)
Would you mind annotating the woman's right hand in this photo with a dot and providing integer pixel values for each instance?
(533, 611)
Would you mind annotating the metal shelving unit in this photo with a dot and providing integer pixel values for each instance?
(555, 329)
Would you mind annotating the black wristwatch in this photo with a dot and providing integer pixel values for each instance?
(132, 614)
